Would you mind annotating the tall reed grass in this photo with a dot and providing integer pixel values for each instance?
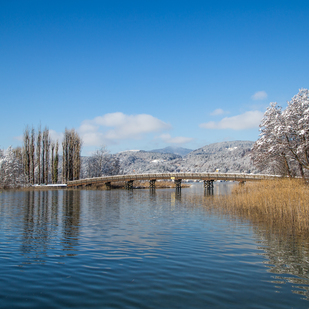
(282, 205)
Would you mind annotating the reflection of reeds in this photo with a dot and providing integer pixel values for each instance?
(282, 205)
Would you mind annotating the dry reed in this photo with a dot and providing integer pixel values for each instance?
(282, 205)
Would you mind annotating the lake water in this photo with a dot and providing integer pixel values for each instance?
(142, 249)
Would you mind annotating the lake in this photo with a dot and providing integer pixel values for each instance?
(142, 249)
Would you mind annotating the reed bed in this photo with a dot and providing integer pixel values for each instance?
(282, 205)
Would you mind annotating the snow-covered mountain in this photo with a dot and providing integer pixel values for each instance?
(147, 162)
(228, 157)
(175, 150)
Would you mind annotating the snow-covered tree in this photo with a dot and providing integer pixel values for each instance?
(269, 151)
(102, 163)
(283, 145)
(297, 129)
(11, 169)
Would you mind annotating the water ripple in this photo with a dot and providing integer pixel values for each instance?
(119, 249)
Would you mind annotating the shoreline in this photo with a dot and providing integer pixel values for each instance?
(115, 185)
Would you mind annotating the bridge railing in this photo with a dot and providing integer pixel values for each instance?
(150, 176)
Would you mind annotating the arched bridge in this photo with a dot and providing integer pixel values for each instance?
(208, 179)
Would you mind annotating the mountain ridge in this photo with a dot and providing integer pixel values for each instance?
(175, 150)
(228, 157)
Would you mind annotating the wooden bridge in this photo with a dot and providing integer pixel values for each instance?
(208, 179)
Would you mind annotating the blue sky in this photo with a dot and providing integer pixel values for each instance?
(148, 74)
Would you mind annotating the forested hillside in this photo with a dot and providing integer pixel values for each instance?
(229, 157)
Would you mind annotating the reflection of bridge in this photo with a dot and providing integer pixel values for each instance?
(208, 179)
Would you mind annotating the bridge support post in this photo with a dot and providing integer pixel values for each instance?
(178, 184)
(208, 184)
(108, 185)
(128, 185)
(152, 183)
(208, 187)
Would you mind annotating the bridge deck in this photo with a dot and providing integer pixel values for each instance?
(200, 176)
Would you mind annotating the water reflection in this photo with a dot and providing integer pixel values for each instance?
(106, 229)
(287, 258)
(37, 225)
(287, 255)
(71, 219)
(208, 191)
(46, 214)
(104, 207)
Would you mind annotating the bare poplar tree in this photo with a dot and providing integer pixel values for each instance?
(38, 154)
(46, 151)
(55, 165)
(77, 144)
(52, 146)
(32, 155)
(71, 155)
(65, 157)
(26, 153)
(43, 157)
(45, 154)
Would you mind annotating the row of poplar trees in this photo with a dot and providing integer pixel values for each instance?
(41, 158)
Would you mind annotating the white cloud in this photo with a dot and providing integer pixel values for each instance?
(94, 138)
(55, 136)
(175, 140)
(260, 95)
(122, 126)
(218, 111)
(247, 120)
(19, 138)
